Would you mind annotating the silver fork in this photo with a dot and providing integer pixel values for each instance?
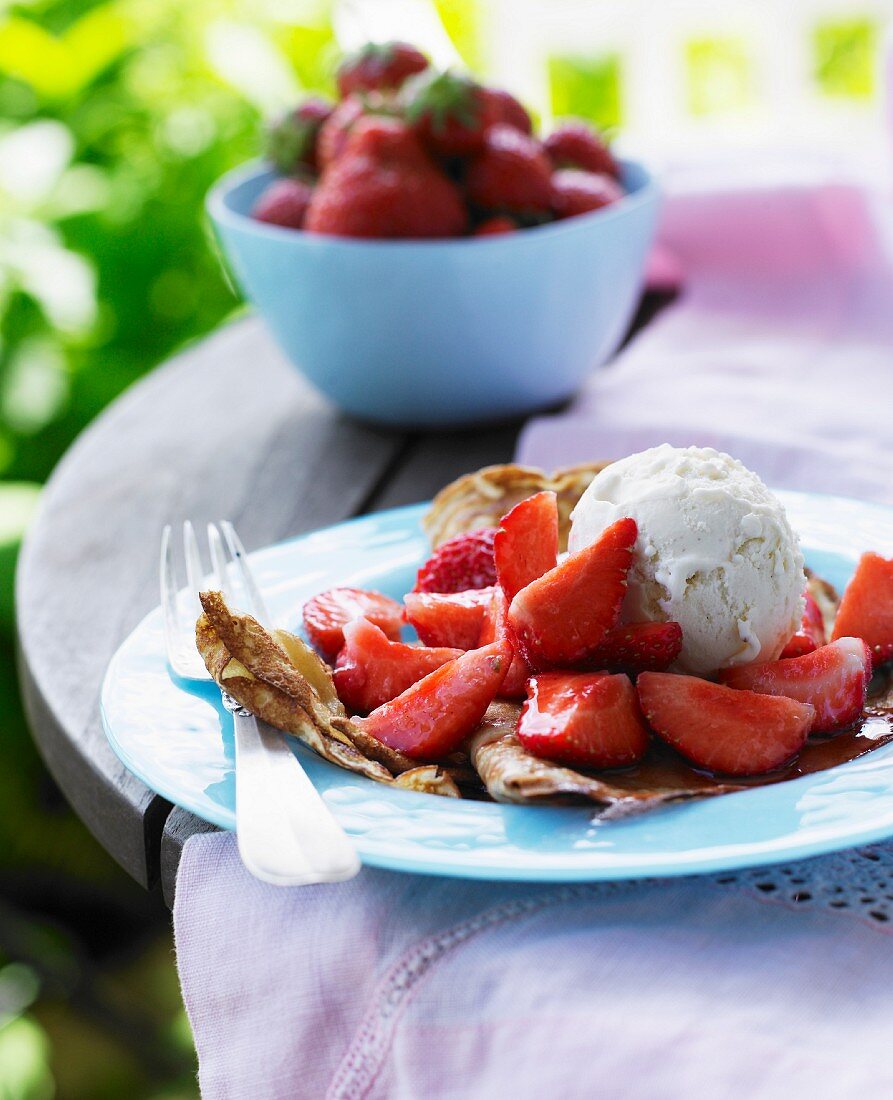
(287, 835)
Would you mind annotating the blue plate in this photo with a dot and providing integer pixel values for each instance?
(180, 742)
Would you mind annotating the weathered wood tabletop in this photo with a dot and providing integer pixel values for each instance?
(226, 430)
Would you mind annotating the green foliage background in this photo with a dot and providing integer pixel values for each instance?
(115, 118)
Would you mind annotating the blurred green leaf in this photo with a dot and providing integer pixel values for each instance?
(62, 65)
(24, 1062)
(19, 986)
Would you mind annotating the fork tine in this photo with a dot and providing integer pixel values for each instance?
(194, 570)
(237, 550)
(218, 560)
(168, 585)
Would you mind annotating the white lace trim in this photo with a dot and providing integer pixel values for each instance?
(858, 881)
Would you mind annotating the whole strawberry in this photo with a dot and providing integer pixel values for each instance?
(291, 139)
(284, 202)
(510, 111)
(575, 192)
(460, 564)
(495, 226)
(576, 145)
(384, 185)
(379, 66)
(337, 128)
(511, 173)
(450, 112)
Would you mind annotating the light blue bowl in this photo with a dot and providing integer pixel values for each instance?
(445, 332)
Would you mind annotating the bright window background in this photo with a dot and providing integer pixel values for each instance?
(677, 77)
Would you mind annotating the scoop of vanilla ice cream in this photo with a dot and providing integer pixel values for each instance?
(715, 552)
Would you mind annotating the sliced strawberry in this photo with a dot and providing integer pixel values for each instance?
(560, 618)
(526, 544)
(866, 610)
(433, 717)
(721, 729)
(638, 647)
(371, 669)
(496, 628)
(460, 563)
(834, 679)
(448, 619)
(588, 720)
(326, 615)
(798, 646)
(811, 634)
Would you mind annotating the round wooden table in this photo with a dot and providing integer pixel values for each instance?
(226, 430)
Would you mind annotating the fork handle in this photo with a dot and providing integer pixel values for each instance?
(287, 835)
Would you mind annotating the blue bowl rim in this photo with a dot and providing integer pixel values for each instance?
(218, 208)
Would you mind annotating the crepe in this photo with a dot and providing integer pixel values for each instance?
(512, 774)
(282, 681)
(481, 499)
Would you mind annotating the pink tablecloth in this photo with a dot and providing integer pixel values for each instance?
(392, 986)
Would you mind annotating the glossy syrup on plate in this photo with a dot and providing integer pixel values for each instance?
(663, 768)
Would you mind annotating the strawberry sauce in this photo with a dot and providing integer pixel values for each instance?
(663, 768)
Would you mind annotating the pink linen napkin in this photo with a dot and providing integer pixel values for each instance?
(400, 987)
(780, 350)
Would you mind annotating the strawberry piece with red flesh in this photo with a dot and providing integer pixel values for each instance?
(460, 564)
(811, 634)
(834, 679)
(866, 610)
(720, 728)
(326, 615)
(583, 720)
(495, 629)
(638, 647)
(526, 543)
(372, 670)
(559, 619)
(433, 717)
(448, 619)
(379, 66)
